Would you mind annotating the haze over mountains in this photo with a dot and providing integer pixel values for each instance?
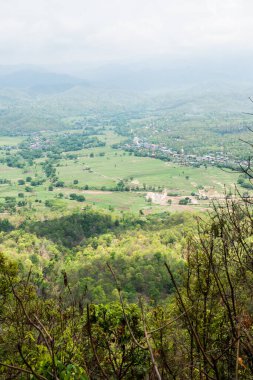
(119, 91)
(37, 80)
(207, 71)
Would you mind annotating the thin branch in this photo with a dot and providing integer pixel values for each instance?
(170, 322)
(18, 369)
(123, 309)
(38, 328)
(92, 343)
(148, 343)
(209, 361)
(28, 365)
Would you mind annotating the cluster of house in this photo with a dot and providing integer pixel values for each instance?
(39, 143)
(154, 150)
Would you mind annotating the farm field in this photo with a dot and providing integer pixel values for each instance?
(117, 165)
(6, 140)
(96, 172)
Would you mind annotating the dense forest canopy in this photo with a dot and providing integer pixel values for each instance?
(167, 296)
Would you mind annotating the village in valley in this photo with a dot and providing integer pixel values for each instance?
(142, 147)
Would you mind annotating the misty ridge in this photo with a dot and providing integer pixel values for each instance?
(221, 77)
(148, 74)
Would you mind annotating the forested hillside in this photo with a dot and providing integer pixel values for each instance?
(94, 296)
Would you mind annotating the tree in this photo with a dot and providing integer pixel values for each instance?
(215, 297)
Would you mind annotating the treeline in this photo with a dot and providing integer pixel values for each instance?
(244, 181)
(51, 148)
(203, 330)
(81, 244)
(34, 147)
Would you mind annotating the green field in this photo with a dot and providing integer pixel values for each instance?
(10, 141)
(117, 165)
(101, 169)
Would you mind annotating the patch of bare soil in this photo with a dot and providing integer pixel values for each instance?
(163, 199)
(135, 182)
(211, 193)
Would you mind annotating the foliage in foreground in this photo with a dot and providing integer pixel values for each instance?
(203, 331)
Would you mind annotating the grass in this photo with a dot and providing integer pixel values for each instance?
(107, 170)
(10, 141)
(117, 165)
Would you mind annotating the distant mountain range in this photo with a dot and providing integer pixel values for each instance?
(38, 81)
(147, 75)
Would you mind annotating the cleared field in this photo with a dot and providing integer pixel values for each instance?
(101, 169)
(136, 202)
(119, 201)
(10, 173)
(10, 141)
(114, 166)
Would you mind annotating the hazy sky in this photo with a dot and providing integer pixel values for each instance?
(72, 31)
